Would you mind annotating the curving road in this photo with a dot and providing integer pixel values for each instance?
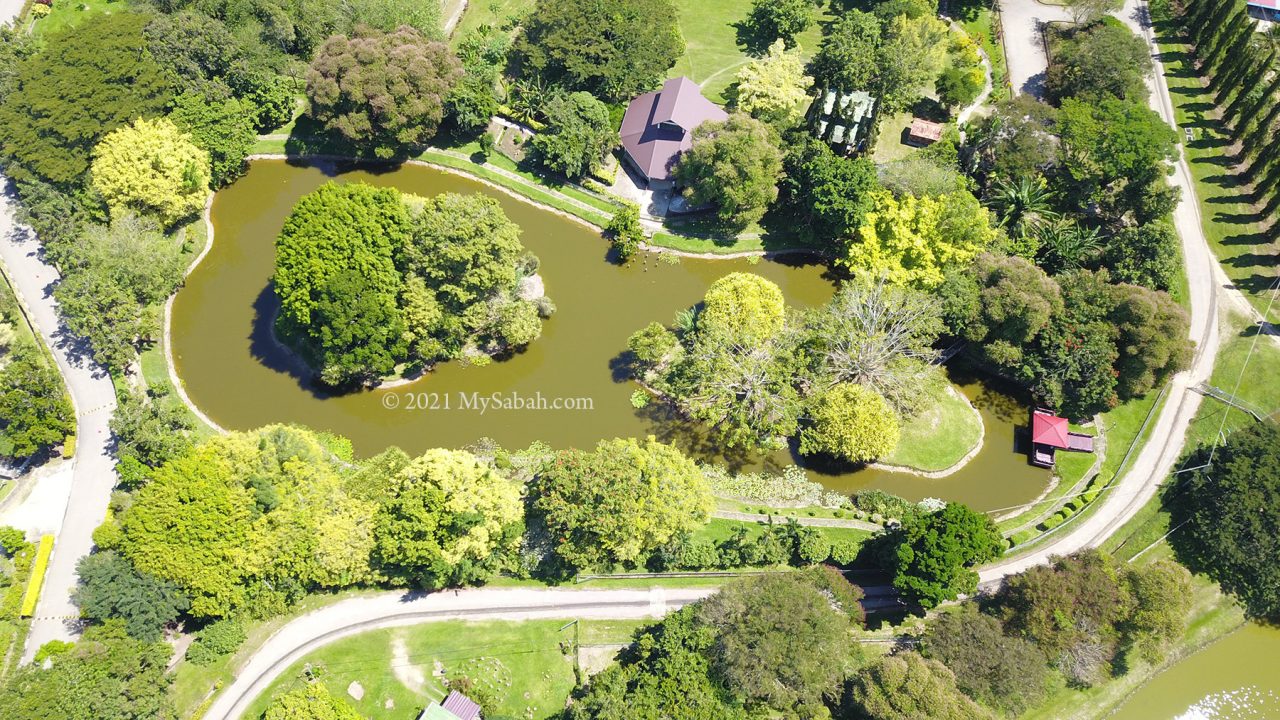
(93, 473)
(305, 634)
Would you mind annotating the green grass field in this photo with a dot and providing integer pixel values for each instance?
(1245, 368)
(530, 665)
(1235, 230)
(939, 437)
(69, 13)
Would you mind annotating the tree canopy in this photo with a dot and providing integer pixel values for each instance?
(86, 81)
(936, 553)
(1097, 61)
(614, 49)
(906, 686)
(578, 134)
(312, 701)
(850, 422)
(735, 166)
(1231, 513)
(151, 167)
(620, 502)
(774, 88)
(384, 91)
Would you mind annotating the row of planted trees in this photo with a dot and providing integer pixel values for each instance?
(1245, 83)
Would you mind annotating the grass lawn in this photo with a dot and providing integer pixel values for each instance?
(939, 437)
(69, 13)
(712, 52)
(526, 663)
(1232, 224)
(487, 12)
(889, 146)
(1256, 382)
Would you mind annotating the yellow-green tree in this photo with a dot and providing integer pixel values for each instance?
(914, 241)
(447, 519)
(774, 88)
(743, 307)
(851, 422)
(151, 167)
(312, 701)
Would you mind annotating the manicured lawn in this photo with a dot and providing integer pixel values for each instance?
(1232, 224)
(712, 52)
(69, 13)
(939, 437)
(1255, 382)
(889, 145)
(526, 663)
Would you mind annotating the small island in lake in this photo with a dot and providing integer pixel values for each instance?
(375, 283)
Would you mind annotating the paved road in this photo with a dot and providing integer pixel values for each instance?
(314, 630)
(93, 476)
(1024, 50)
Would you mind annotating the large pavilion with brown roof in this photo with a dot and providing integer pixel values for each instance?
(659, 125)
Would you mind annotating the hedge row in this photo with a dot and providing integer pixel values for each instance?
(36, 581)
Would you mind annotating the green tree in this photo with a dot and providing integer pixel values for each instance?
(150, 428)
(910, 56)
(1088, 12)
(106, 675)
(1003, 304)
(1230, 517)
(734, 165)
(1100, 61)
(914, 241)
(825, 196)
(847, 57)
(1014, 140)
(86, 81)
(774, 88)
(337, 281)
(667, 677)
(225, 129)
(779, 643)
(620, 502)
(312, 701)
(578, 134)
(880, 337)
(1152, 341)
(1146, 255)
(110, 587)
(35, 414)
(850, 422)
(772, 20)
(624, 231)
(997, 670)
(151, 167)
(382, 91)
(611, 49)
(465, 247)
(937, 551)
(1161, 594)
(1070, 609)
(447, 519)
(1113, 151)
(743, 306)
(957, 87)
(906, 686)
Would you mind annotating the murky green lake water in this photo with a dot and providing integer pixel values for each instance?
(237, 375)
(1236, 678)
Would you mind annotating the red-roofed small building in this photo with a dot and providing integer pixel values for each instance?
(455, 707)
(1050, 433)
(659, 125)
(924, 132)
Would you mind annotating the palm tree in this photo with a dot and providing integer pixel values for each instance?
(1066, 245)
(1023, 205)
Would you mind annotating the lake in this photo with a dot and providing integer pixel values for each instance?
(234, 371)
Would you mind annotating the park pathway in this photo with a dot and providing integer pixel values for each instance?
(93, 395)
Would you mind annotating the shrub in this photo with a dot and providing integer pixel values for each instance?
(813, 547)
(216, 640)
(790, 489)
(12, 540)
(36, 581)
(844, 552)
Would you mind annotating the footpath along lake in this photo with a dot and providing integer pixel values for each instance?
(233, 370)
(1236, 678)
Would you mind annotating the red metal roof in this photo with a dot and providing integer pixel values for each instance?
(1267, 4)
(463, 707)
(1049, 429)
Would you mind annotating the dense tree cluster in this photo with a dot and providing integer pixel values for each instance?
(613, 50)
(935, 553)
(383, 91)
(369, 279)
(1082, 343)
(1229, 511)
(735, 166)
(847, 373)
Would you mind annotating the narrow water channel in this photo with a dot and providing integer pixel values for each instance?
(1236, 678)
(233, 370)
